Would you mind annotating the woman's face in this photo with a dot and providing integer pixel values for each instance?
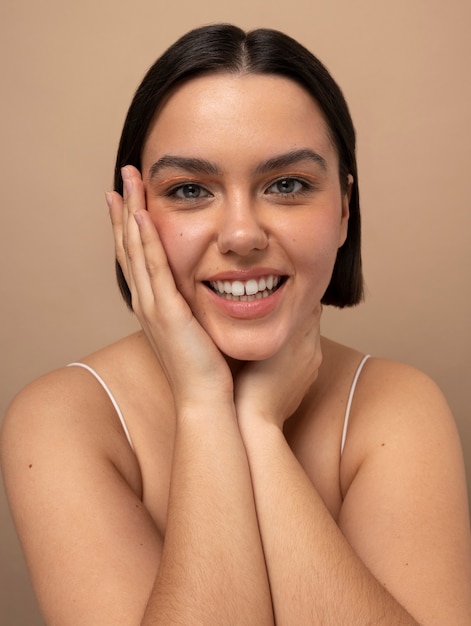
(242, 184)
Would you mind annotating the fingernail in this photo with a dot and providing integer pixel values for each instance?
(126, 174)
(138, 218)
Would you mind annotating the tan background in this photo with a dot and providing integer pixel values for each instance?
(67, 74)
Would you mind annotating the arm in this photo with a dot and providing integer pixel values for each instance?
(212, 569)
(95, 554)
(400, 553)
(92, 548)
(74, 488)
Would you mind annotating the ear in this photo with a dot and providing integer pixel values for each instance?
(345, 211)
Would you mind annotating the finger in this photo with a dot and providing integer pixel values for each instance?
(146, 256)
(156, 262)
(127, 191)
(133, 200)
(115, 206)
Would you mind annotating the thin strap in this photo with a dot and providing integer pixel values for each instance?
(350, 400)
(110, 396)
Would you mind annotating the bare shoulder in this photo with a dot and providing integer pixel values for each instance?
(398, 410)
(394, 400)
(63, 411)
(405, 509)
(64, 458)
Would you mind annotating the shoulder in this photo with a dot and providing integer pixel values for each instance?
(395, 408)
(404, 501)
(69, 390)
(70, 476)
(399, 415)
(65, 413)
(399, 397)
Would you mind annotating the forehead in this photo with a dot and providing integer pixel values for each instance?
(214, 115)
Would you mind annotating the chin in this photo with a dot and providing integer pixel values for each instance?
(255, 349)
(248, 355)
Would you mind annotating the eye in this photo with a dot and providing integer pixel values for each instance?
(287, 186)
(189, 191)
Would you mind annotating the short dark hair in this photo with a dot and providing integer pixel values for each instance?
(227, 48)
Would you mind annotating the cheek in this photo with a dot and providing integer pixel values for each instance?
(182, 242)
(316, 243)
(314, 252)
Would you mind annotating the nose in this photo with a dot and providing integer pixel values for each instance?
(241, 230)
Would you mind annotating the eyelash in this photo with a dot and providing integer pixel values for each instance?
(172, 193)
(305, 187)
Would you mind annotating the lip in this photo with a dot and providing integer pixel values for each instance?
(249, 309)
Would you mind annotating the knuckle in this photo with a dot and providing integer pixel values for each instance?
(151, 267)
(130, 250)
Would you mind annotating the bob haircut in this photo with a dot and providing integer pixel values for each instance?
(223, 48)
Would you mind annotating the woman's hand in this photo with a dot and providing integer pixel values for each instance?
(195, 368)
(274, 388)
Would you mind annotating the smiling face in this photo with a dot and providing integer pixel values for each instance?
(242, 184)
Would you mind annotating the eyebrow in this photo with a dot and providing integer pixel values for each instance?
(202, 166)
(291, 158)
(198, 166)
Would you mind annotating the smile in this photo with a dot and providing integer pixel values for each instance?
(246, 291)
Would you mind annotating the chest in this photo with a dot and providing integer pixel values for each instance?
(313, 435)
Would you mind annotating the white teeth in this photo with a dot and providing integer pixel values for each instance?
(250, 290)
(238, 288)
(251, 287)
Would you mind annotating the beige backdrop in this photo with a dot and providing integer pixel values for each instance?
(68, 70)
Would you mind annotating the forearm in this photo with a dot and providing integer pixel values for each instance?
(212, 569)
(315, 576)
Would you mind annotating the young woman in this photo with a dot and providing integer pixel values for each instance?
(228, 464)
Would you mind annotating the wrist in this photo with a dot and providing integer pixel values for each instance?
(198, 409)
(255, 426)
